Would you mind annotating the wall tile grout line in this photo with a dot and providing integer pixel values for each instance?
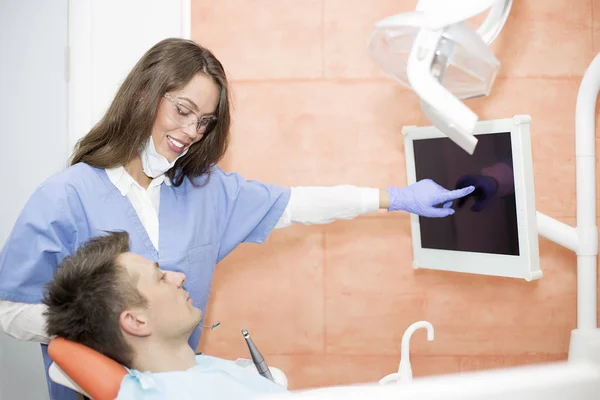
(359, 80)
(324, 283)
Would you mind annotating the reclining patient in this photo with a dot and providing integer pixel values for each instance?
(125, 307)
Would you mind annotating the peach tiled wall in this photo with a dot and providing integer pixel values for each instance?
(328, 304)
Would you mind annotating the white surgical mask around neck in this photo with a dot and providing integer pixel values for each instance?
(153, 163)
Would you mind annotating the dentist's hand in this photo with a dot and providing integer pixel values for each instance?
(421, 198)
(485, 189)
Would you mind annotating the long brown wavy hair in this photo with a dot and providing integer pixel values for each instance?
(121, 134)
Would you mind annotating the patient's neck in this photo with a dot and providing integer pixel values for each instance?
(163, 356)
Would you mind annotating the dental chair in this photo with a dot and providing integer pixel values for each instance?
(84, 370)
(98, 377)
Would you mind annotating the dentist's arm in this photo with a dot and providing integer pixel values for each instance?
(310, 205)
(23, 321)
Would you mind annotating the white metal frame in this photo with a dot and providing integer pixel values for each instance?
(583, 239)
(526, 265)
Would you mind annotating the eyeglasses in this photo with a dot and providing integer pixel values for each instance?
(182, 115)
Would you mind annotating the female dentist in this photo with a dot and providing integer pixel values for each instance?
(149, 168)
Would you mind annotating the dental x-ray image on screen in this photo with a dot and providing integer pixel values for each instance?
(493, 230)
(486, 220)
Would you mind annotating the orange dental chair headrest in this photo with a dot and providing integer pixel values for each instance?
(99, 376)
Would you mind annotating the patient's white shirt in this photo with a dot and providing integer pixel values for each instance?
(211, 378)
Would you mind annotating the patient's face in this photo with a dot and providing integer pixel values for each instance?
(171, 312)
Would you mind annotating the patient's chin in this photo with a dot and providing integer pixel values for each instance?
(197, 316)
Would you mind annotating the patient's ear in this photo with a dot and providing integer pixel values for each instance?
(135, 322)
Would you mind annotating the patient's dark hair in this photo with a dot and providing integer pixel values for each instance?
(89, 292)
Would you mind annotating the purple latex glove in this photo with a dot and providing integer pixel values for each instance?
(421, 198)
(485, 189)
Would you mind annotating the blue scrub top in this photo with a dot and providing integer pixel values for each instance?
(199, 224)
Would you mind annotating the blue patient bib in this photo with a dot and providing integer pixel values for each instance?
(211, 378)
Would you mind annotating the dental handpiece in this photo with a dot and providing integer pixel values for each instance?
(257, 358)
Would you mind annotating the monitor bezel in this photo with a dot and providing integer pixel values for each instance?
(527, 264)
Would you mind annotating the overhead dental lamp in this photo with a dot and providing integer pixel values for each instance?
(435, 53)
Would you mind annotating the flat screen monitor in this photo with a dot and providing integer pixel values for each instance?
(493, 231)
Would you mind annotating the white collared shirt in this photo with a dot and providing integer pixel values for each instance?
(146, 202)
(307, 205)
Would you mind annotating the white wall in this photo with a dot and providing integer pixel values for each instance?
(33, 144)
(106, 38)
